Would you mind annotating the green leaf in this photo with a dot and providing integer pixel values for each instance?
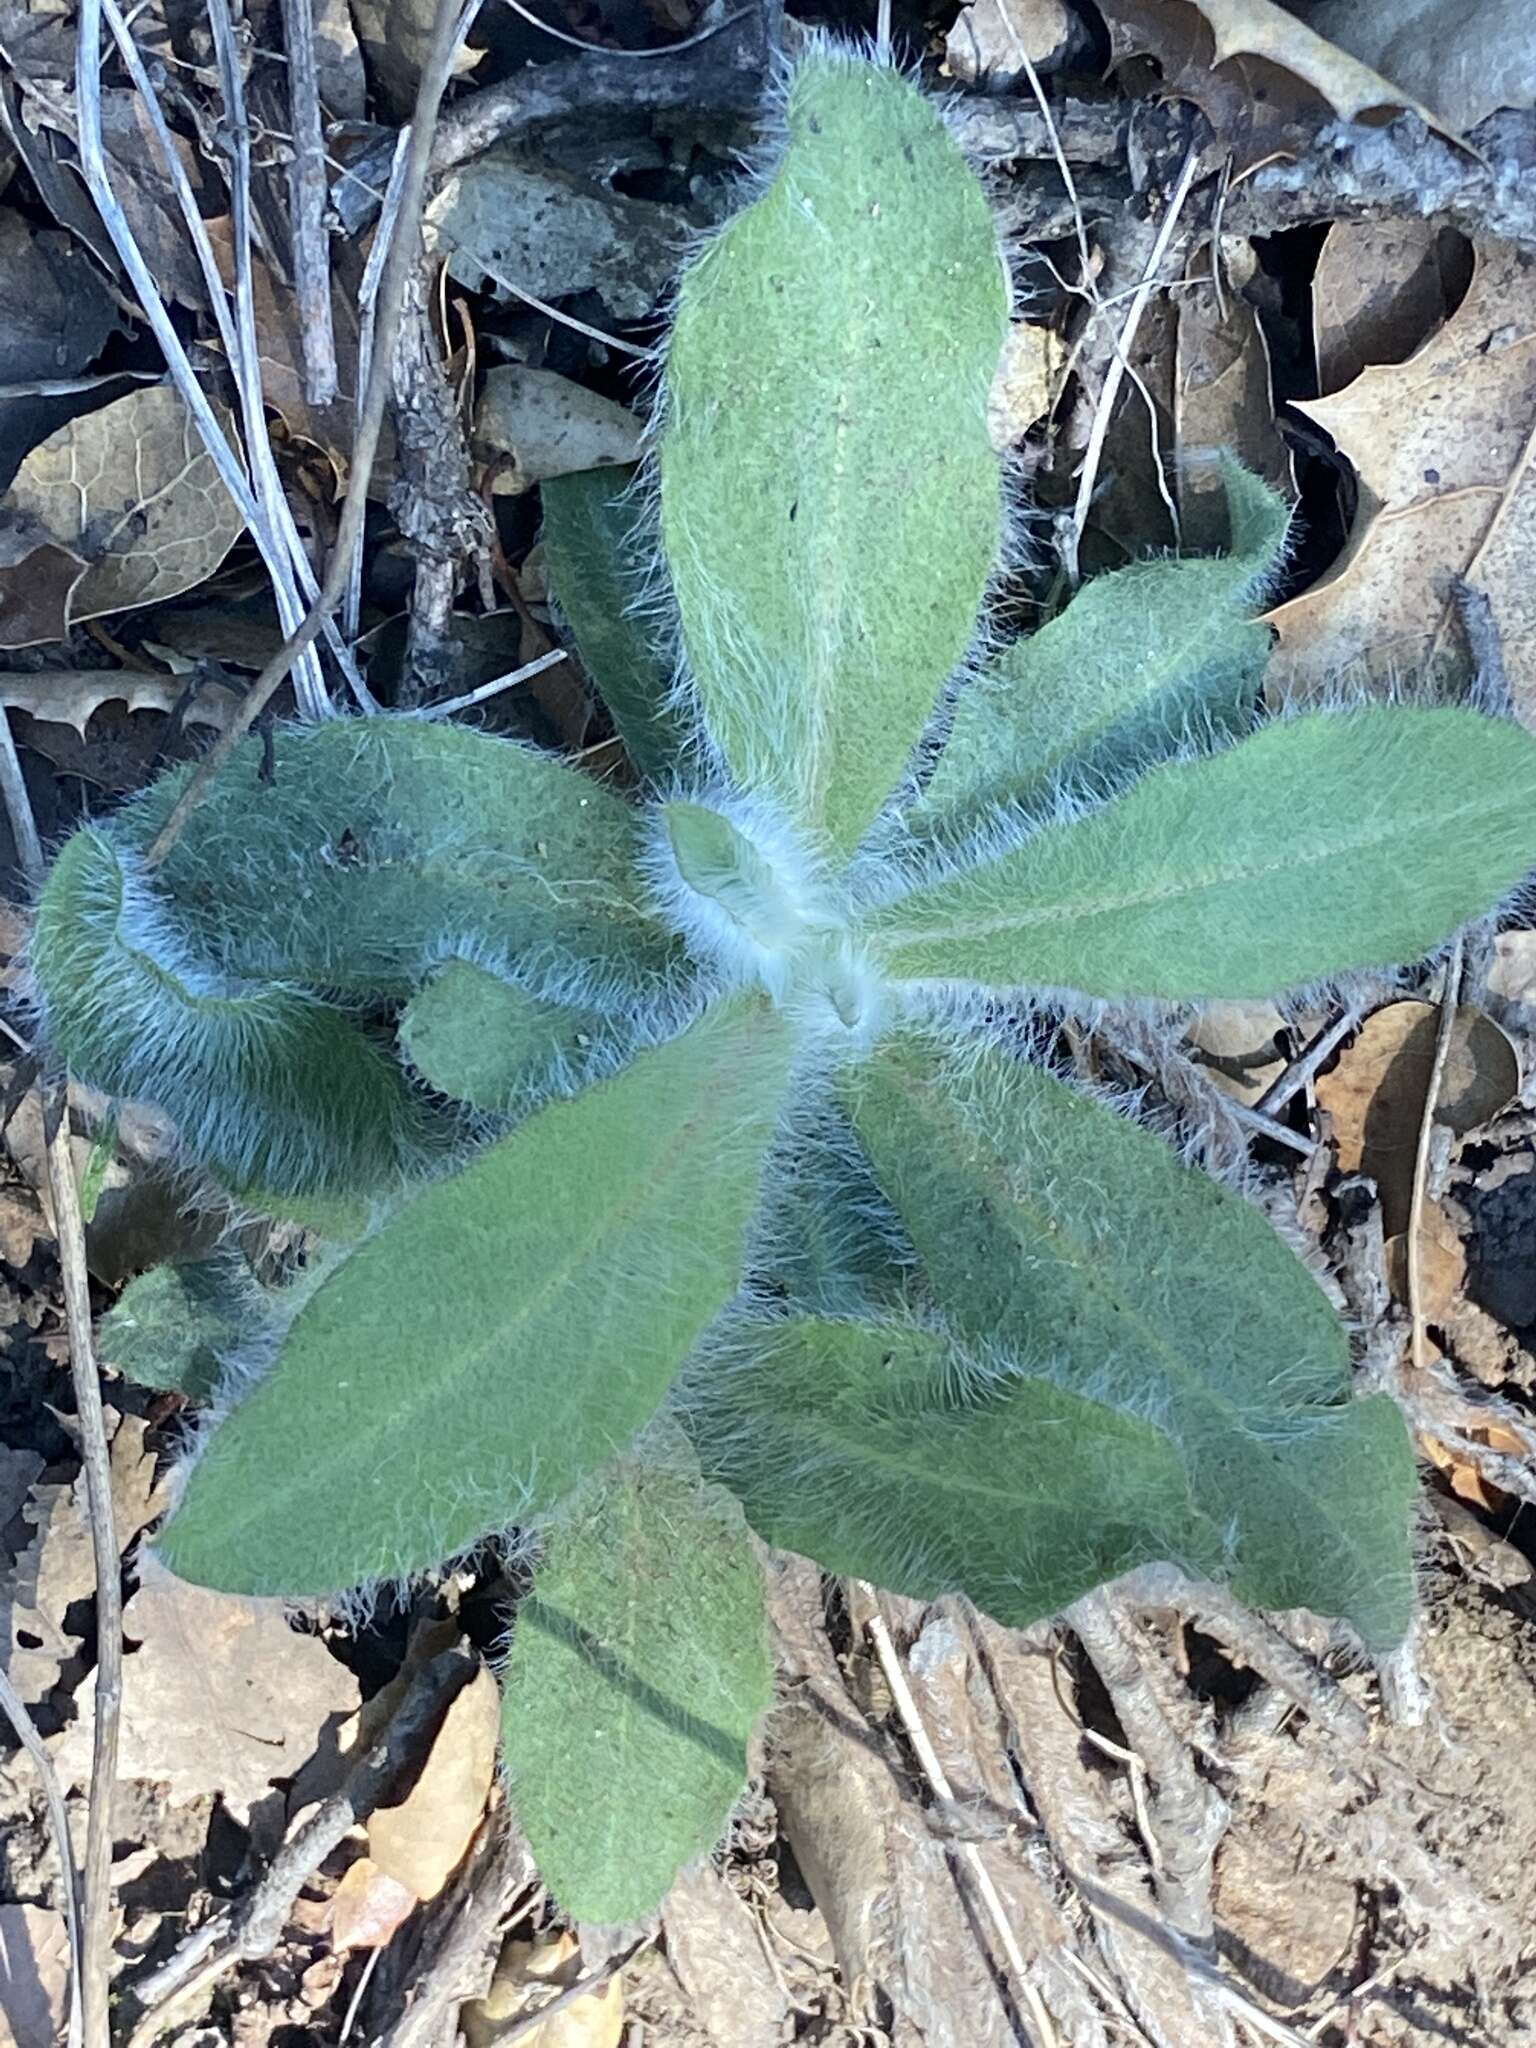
(486, 1042)
(880, 1451)
(1137, 661)
(379, 844)
(266, 1084)
(170, 1325)
(1325, 843)
(598, 552)
(1065, 1234)
(503, 1334)
(831, 1244)
(830, 500)
(638, 1669)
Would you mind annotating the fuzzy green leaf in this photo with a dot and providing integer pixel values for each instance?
(598, 551)
(638, 1669)
(1325, 843)
(876, 1450)
(266, 1084)
(169, 1326)
(830, 500)
(378, 844)
(1138, 660)
(1066, 1235)
(486, 1042)
(504, 1333)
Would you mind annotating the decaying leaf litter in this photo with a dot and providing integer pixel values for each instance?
(1230, 229)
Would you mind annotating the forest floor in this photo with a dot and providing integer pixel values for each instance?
(1323, 261)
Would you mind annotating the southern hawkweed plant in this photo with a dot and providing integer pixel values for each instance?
(692, 1159)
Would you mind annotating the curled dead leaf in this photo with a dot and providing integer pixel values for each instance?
(1380, 289)
(1440, 446)
(595, 2020)
(420, 1841)
(133, 491)
(1375, 1093)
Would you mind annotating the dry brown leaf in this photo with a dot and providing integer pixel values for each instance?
(1260, 75)
(1221, 399)
(1441, 446)
(421, 1841)
(992, 38)
(1238, 1044)
(1027, 383)
(133, 490)
(595, 2021)
(36, 578)
(34, 1976)
(58, 1568)
(73, 696)
(221, 1695)
(369, 1907)
(1465, 1478)
(1375, 1093)
(1442, 1266)
(550, 426)
(1465, 60)
(1381, 288)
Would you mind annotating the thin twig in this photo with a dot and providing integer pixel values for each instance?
(14, 1708)
(1093, 454)
(246, 363)
(494, 688)
(560, 35)
(1449, 989)
(969, 1853)
(307, 195)
(370, 420)
(252, 1928)
(1302, 1070)
(527, 2023)
(368, 306)
(271, 523)
(94, 1951)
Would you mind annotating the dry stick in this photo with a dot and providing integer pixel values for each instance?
(93, 1949)
(968, 1852)
(1451, 983)
(14, 1708)
(1188, 1813)
(397, 267)
(1094, 452)
(606, 50)
(368, 305)
(307, 197)
(1301, 1071)
(271, 525)
(252, 1928)
(246, 362)
(493, 688)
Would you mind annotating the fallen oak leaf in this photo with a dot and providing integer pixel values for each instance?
(1260, 75)
(1466, 61)
(1375, 1093)
(1441, 445)
(369, 1907)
